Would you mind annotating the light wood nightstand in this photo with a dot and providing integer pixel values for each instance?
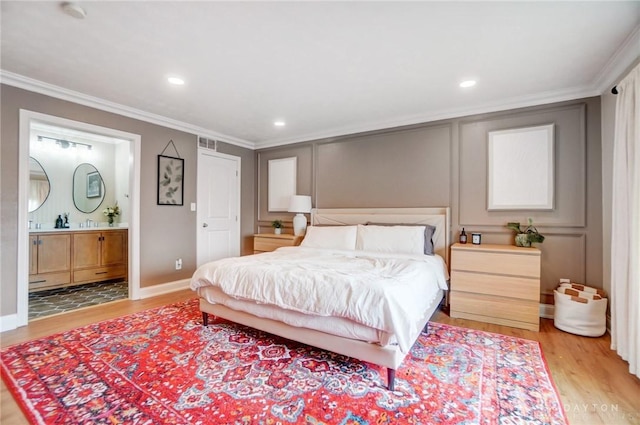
(496, 284)
(265, 242)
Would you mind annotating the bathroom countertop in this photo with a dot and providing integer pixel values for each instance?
(77, 228)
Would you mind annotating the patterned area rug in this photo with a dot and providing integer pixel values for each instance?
(162, 366)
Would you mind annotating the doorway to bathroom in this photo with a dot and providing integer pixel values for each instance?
(78, 178)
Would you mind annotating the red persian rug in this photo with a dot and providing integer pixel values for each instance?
(163, 367)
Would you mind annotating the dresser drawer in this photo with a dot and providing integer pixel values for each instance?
(492, 309)
(266, 243)
(503, 286)
(505, 263)
(100, 273)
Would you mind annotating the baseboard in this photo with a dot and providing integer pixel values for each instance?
(164, 288)
(8, 322)
(546, 311)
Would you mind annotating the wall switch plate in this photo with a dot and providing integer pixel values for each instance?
(179, 264)
(193, 206)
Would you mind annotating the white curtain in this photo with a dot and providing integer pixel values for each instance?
(625, 236)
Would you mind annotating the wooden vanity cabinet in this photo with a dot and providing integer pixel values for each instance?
(58, 259)
(49, 260)
(99, 256)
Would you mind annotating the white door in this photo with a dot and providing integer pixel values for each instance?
(218, 206)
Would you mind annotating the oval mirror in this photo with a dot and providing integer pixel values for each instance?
(39, 186)
(88, 188)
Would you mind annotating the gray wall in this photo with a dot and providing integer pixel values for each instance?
(166, 232)
(444, 164)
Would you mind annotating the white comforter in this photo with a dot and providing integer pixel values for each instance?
(383, 291)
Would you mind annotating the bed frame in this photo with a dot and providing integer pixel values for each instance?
(388, 356)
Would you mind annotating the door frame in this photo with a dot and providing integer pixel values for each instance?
(238, 160)
(26, 118)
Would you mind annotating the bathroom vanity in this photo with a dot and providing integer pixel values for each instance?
(65, 257)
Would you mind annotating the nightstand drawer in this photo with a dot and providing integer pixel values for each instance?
(503, 286)
(506, 263)
(270, 242)
(487, 308)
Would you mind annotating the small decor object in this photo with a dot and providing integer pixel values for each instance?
(59, 222)
(300, 204)
(170, 178)
(277, 226)
(111, 212)
(476, 238)
(463, 236)
(525, 237)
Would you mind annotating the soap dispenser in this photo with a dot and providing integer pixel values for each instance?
(59, 223)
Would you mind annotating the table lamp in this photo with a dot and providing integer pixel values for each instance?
(300, 204)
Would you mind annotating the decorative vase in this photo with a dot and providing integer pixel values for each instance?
(277, 230)
(522, 239)
(110, 219)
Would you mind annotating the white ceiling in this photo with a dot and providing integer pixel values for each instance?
(326, 68)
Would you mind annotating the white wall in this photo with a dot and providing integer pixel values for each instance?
(60, 164)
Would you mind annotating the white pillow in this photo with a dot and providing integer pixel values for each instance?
(397, 239)
(330, 237)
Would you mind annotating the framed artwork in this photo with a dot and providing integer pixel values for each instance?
(521, 169)
(282, 182)
(94, 185)
(170, 180)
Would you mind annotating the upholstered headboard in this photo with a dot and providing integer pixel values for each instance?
(438, 217)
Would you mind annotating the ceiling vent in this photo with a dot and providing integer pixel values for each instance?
(205, 143)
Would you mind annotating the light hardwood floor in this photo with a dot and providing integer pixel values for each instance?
(594, 383)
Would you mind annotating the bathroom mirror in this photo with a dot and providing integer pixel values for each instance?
(39, 186)
(88, 188)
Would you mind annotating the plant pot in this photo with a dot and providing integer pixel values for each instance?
(522, 239)
(277, 230)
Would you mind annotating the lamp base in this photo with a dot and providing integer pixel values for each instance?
(299, 224)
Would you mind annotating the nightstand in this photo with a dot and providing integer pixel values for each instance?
(265, 242)
(496, 284)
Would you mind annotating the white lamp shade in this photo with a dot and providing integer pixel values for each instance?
(300, 204)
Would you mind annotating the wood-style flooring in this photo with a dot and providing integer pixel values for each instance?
(594, 383)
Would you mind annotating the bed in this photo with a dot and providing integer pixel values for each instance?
(369, 303)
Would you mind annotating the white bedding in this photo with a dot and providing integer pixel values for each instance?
(338, 326)
(387, 292)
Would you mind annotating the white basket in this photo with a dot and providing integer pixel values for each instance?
(581, 314)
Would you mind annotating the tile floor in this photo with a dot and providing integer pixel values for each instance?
(53, 301)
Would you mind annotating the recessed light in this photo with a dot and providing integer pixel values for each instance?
(175, 81)
(468, 83)
(279, 123)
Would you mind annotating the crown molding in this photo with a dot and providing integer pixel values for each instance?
(22, 82)
(619, 62)
(504, 105)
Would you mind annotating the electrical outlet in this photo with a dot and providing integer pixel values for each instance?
(179, 264)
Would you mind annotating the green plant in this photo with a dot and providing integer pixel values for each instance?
(276, 224)
(531, 233)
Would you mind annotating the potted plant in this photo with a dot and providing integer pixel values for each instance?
(277, 226)
(526, 236)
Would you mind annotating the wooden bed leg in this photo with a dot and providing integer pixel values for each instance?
(391, 378)
(205, 318)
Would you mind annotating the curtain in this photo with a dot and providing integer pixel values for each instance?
(625, 235)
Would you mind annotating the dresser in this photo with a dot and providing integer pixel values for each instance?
(266, 242)
(496, 284)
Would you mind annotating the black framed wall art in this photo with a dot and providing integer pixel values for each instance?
(170, 180)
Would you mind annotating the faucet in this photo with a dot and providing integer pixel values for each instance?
(89, 222)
